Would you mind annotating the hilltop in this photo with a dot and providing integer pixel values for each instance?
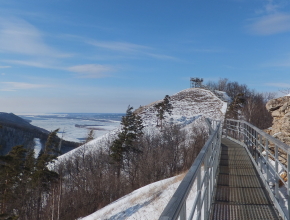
(188, 106)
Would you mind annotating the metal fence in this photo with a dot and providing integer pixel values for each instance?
(271, 158)
(202, 175)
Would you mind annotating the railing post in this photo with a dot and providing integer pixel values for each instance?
(183, 212)
(244, 133)
(276, 174)
(267, 161)
(234, 131)
(210, 169)
(260, 151)
(252, 136)
(256, 147)
(226, 128)
(239, 132)
(248, 139)
(198, 187)
(206, 187)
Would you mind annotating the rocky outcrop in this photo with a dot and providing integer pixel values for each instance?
(280, 110)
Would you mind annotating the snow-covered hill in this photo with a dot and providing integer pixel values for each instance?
(190, 108)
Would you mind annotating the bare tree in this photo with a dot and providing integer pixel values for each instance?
(285, 91)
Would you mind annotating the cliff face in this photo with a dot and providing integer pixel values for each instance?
(280, 111)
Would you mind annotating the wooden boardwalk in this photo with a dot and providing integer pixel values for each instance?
(240, 194)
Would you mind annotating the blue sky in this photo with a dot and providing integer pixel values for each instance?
(101, 56)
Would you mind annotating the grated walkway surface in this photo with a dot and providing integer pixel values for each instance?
(239, 190)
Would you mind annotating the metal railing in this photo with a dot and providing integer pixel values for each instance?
(270, 156)
(204, 180)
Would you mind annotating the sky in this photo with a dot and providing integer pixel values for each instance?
(95, 56)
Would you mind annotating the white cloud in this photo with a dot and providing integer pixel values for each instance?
(118, 46)
(280, 85)
(130, 48)
(271, 7)
(35, 63)
(91, 70)
(20, 37)
(207, 50)
(3, 67)
(14, 86)
(161, 56)
(282, 62)
(270, 24)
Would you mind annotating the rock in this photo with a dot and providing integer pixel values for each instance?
(284, 177)
(276, 113)
(280, 111)
(274, 104)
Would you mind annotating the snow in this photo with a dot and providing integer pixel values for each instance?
(37, 147)
(274, 135)
(224, 96)
(145, 203)
(224, 108)
(288, 94)
(188, 106)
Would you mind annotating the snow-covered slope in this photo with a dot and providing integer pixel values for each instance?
(188, 105)
(190, 108)
(145, 203)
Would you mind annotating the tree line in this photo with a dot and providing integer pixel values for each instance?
(247, 104)
(25, 181)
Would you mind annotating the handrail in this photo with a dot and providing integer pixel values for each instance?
(256, 141)
(282, 145)
(208, 156)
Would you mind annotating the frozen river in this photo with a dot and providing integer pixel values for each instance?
(75, 126)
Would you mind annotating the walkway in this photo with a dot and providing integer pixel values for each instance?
(239, 191)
